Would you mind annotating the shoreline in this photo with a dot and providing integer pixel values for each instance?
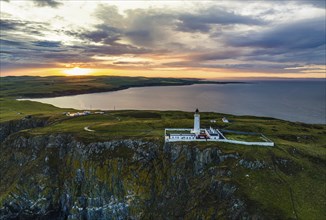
(77, 107)
(49, 87)
(93, 91)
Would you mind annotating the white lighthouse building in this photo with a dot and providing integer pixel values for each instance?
(208, 134)
(196, 129)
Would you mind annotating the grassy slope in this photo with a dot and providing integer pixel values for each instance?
(33, 86)
(297, 186)
(12, 109)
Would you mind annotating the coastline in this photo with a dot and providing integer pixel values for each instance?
(57, 86)
(101, 90)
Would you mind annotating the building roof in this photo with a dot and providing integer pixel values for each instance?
(182, 135)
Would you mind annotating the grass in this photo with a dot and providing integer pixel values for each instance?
(243, 137)
(12, 110)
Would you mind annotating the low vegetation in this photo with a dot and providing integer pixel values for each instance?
(38, 87)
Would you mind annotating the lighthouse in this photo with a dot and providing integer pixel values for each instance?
(196, 129)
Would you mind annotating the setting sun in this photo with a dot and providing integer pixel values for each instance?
(76, 71)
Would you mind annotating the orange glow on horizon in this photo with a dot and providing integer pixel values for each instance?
(171, 73)
(76, 71)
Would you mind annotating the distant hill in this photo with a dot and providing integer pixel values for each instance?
(51, 86)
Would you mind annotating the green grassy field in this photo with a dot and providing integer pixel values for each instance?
(242, 137)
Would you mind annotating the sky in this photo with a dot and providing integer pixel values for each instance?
(201, 39)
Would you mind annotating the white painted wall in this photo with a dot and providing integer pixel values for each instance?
(266, 144)
(196, 123)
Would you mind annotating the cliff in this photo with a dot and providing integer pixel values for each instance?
(13, 126)
(61, 175)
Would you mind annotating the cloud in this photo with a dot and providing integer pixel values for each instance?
(243, 67)
(110, 15)
(204, 19)
(102, 34)
(214, 36)
(27, 53)
(163, 29)
(47, 3)
(117, 49)
(4, 42)
(303, 56)
(297, 35)
(301, 41)
(316, 3)
(47, 44)
(9, 26)
(24, 50)
(217, 55)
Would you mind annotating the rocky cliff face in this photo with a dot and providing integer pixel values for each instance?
(13, 126)
(59, 177)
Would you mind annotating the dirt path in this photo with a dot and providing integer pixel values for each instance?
(87, 129)
(289, 188)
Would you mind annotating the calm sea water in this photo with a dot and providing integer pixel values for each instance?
(293, 101)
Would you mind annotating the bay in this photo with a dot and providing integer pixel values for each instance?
(294, 101)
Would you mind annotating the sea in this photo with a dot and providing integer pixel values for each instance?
(297, 101)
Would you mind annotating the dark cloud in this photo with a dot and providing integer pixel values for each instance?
(131, 63)
(142, 27)
(303, 56)
(103, 34)
(298, 35)
(301, 41)
(8, 25)
(142, 37)
(25, 52)
(116, 49)
(47, 3)
(203, 20)
(315, 3)
(5, 65)
(153, 27)
(12, 25)
(52, 57)
(4, 42)
(47, 44)
(149, 27)
(245, 67)
(221, 54)
(319, 3)
(5, 52)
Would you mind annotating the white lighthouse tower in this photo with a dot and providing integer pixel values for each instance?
(196, 129)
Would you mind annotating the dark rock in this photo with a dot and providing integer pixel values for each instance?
(253, 165)
(119, 179)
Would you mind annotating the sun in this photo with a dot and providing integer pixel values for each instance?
(76, 71)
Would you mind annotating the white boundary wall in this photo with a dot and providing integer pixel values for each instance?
(268, 143)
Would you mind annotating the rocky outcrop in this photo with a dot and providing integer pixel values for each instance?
(58, 177)
(13, 126)
(252, 165)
